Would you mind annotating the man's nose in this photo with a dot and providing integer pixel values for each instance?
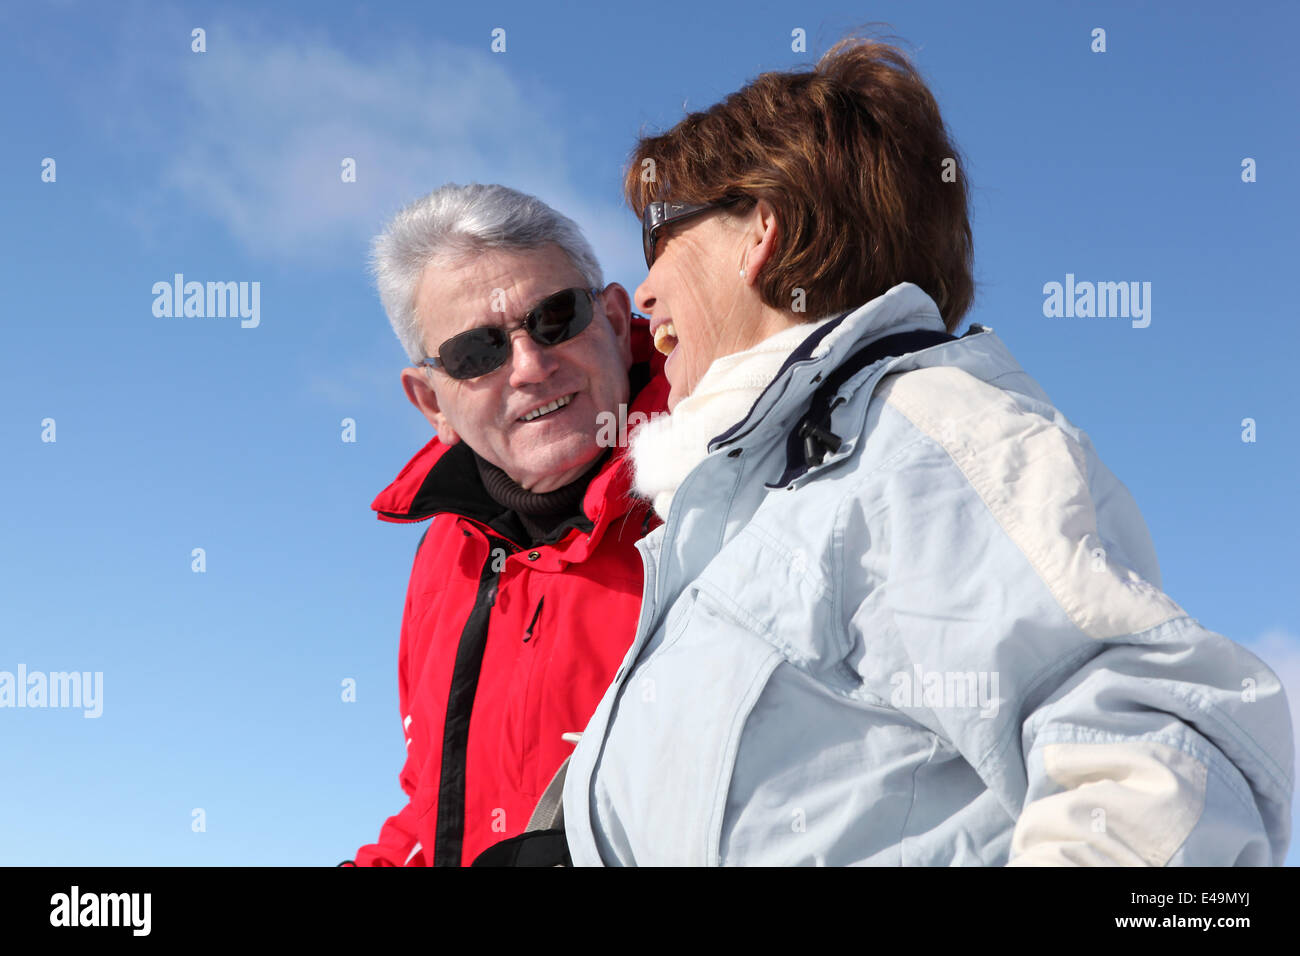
(529, 362)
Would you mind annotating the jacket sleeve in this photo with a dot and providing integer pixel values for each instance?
(1121, 730)
(1166, 751)
(398, 844)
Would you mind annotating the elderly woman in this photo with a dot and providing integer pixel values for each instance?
(899, 612)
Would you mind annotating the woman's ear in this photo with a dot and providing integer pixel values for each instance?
(761, 235)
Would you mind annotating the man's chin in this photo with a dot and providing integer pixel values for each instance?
(555, 465)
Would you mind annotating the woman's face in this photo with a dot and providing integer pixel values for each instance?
(699, 305)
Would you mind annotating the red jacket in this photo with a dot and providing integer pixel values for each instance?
(504, 647)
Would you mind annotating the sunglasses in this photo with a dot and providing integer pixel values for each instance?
(657, 215)
(557, 318)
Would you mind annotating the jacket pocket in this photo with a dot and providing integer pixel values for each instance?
(522, 721)
(670, 746)
(777, 588)
(538, 648)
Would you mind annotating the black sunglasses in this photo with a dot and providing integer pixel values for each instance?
(557, 318)
(660, 214)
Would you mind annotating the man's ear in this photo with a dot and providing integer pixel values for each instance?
(418, 388)
(618, 308)
(761, 235)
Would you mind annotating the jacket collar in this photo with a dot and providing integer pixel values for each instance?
(903, 308)
(443, 478)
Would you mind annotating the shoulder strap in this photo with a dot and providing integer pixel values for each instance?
(549, 813)
(812, 437)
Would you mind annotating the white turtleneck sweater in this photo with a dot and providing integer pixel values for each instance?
(666, 449)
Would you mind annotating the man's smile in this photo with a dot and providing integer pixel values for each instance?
(548, 408)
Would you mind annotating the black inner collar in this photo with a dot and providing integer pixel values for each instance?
(540, 514)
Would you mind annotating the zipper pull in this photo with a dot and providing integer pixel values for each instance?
(816, 442)
(528, 634)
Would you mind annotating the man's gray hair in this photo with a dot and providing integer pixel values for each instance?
(453, 221)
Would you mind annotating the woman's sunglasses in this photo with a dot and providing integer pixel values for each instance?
(657, 215)
(557, 318)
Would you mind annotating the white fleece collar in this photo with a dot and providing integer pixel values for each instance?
(666, 449)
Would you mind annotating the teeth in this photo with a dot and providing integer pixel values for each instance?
(546, 409)
(663, 334)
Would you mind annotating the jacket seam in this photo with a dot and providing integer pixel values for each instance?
(902, 830)
(1233, 729)
(731, 751)
(1191, 744)
(839, 566)
(1198, 702)
(978, 478)
(674, 519)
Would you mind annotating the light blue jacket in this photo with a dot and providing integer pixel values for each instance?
(947, 643)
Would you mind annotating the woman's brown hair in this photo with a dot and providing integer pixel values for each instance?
(853, 156)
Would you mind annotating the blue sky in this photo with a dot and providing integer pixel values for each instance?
(221, 690)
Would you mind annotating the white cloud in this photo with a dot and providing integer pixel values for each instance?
(263, 120)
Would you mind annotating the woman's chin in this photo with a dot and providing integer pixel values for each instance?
(678, 387)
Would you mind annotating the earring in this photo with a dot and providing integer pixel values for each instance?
(742, 273)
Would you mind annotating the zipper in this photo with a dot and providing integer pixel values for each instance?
(466, 668)
(528, 634)
(649, 603)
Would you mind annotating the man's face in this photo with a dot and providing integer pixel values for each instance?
(591, 369)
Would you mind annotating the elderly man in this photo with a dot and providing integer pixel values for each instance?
(526, 586)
